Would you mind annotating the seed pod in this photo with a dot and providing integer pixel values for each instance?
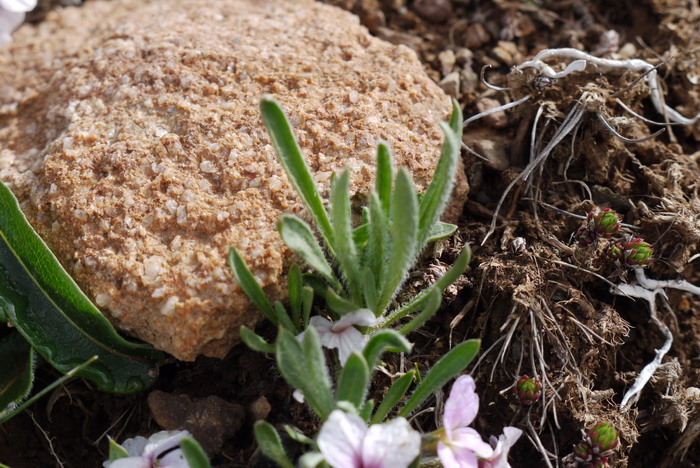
(603, 438)
(528, 390)
(605, 223)
(637, 252)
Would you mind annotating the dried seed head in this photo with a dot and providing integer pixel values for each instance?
(528, 390)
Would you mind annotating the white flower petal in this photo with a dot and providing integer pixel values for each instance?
(362, 317)
(501, 447)
(163, 441)
(349, 341)
(462, 405)
(135, 446)
(174, 459)
(390, 445)
(129, 462)
(18, 6)
(340, 439)
(468, 438)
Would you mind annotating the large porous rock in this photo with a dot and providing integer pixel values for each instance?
(130, 132)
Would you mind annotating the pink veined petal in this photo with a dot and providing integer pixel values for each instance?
(348, 341)
(363, 317)
(455, 457)
(468, 438)
(462, 405)
(340, 440)
(130, 462)
(18, 6)
(390, 445)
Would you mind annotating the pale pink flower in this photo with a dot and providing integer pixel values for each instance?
(342, 334)
(11, 16)
(145, 453)
(460, 445)
(346, 442)
(501, 447)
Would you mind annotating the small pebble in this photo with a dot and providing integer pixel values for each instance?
(435, 11)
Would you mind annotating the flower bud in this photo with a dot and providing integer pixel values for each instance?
(637, 252)
(585, 236)
(605, 223)
(603, 437)
(528, 389)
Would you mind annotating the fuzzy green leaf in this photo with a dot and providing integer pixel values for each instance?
(48, 308)
(432, 304)
(297, 436)
(292, 161)
(384, 176)
(353, 381)
(404, 228)
(366, 410)
(250, 286)
(298, 237)
(345, 250)
(194, 453)
(456, 120)
(446, 368)
(338, 304)
(16, 372)
(440, 230)
(396, 392)
(295, 284)
(307, 301)
(255, 341)
(270, 444)
(384, 340)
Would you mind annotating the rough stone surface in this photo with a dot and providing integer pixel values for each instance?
(130, 132)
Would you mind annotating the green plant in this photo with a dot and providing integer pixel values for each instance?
(52, 318)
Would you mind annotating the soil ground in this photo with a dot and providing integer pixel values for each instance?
(563, 321)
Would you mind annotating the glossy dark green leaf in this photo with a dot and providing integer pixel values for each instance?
(353, 381)
(396, 392)
(194, 453)
(451, 364)
(16, 371)
(292, 161)
(270, 444)
(48, 308)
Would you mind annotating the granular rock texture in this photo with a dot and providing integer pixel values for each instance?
(130, 132)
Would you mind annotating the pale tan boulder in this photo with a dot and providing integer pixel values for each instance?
(130, 132)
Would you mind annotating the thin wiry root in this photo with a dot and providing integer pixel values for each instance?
(510, 105)
(635, 65)
(641, 117)
(489, 85)
(646, 373)
(624, 138)
(652, 284)
(535, 439)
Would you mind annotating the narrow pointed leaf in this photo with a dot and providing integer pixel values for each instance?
(440, 189)
(404, 229)
(255, 341)
(384, 176)
(116, 451)
(369, 289)
(345, 250)
(440, 230)
(340, 305)
(446, 368)
(360, 235)
(307, 300)
(297, 436)
(456, 120)
(250, 285)
(48, 308)
(298, 237)
(282, 316)
(292, 161)
(396, 392)
(194, 453)
(270, 444)
(384, 340)
(353, 381)
(366, 410)
(432, 304)
(295, 286)
(16, 372)
(375, 250)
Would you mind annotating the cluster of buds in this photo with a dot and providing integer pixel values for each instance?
(528, 390)
(634, 253)
(595, 449)
(603, 224)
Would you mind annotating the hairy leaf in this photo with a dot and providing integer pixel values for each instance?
(397, 391)
(353, 381)
(16, 372)
(194, 453)
(270, 444)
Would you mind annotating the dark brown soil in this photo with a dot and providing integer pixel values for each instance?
(592, 344)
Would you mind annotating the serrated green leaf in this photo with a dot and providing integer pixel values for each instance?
(16, 372)
(270, 444)
(404, 229)
(440, 189)
(431, 306)
(194, 453)
(396, 392)
(353, 381)
(298, 237)
(292, 161)
(48, 308)
(344, 246)
(255, 341)
(451, 364)
(250, 286)
(304, 368)
(116, 451)
(384, 340)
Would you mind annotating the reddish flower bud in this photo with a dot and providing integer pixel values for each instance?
(605, 223)
(637, 252)
(603, 438)
(528, 389)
